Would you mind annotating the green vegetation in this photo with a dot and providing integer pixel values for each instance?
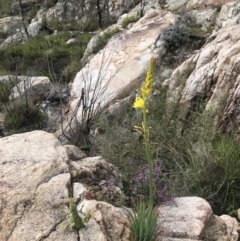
(75, 218)
(5, 88)
(48, 55)
(5, 8)
(77, 222)
(130, 19)
(196, 158)
(143, 224)
(186, 33)
(23, 118)
(189, 155)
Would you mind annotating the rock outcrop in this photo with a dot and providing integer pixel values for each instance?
(35, 187)
(34, 175)
(214, 77)
(35, 88)
(109, 74)
(73, 9)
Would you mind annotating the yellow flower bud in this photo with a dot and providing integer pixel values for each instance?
(149, 78)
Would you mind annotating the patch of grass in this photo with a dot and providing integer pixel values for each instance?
(49, 55)
(130, 19)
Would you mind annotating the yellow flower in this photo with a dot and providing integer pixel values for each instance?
(139, 103)
(144, 92)
(149, 79)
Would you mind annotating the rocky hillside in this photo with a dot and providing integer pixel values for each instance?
(74, 68)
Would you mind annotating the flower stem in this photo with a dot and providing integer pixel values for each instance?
(147, 148)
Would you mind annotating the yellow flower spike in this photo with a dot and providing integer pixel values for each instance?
(139, 103)
(149, 78)
(144, 93)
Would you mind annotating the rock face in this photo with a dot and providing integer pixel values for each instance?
(106, 221)
(174, 5)
(229, 15)
(214, 77)
(33, 174)
(112, 68)
(101, 180)
(74, 9)
(16, 31)
(221, 228)
(35, 186)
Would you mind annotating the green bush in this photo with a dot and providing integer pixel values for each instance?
(24, 118)
(185, 34)
(5, 89)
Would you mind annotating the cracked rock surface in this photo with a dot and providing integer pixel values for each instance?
(35, 185)
(33, 178)
(214, 77)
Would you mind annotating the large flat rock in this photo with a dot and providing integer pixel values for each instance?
(119, 68)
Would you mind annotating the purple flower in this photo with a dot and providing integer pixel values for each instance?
(140, 183)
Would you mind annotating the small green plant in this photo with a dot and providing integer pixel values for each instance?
(77, 222)
(50, 54)
(5, 8)
(75, 218)
(143, 223)
(130, 19)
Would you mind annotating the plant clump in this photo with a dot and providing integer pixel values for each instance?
(130, 19)
(22, 118)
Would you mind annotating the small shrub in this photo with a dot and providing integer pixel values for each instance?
(6, 8)
(21, 119)
(49, 3)
(184, 34)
